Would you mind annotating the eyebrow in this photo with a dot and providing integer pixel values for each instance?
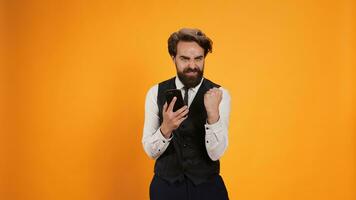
(186, 57)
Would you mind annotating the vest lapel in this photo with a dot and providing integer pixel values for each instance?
(199, 97)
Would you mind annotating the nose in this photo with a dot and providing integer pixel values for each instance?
(192, 64)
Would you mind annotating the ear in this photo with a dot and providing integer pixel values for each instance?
(173, 58)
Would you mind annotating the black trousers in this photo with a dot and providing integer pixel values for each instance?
(214, 189)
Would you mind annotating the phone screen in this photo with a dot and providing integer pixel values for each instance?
(174, 93)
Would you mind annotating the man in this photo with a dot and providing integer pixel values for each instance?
(188, 143)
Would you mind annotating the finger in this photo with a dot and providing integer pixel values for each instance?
(165, 107)
(180, 110)
(209, 93)
(184, 113)
(182, 119)
(171, 105)
(216, 91)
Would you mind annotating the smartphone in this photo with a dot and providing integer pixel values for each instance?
(174, 93)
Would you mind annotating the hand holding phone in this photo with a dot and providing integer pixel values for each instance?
(174, 113)
(174, 93)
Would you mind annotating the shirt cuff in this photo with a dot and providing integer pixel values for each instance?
(213, 128)
(162, 138)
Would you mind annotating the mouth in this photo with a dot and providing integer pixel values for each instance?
(191, 73)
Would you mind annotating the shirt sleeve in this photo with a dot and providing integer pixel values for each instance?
(216, 135)
(154, 143)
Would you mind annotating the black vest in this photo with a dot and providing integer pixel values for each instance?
(186, 156)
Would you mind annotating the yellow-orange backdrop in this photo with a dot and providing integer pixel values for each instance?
(75, 73)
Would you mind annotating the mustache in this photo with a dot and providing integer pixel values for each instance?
(191, 70)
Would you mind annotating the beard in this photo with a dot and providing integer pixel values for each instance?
(190, 81)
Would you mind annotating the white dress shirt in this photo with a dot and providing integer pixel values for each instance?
(216, 135)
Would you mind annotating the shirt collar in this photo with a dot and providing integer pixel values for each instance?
(180, 85)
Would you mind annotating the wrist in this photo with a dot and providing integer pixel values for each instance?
(212, 112)
(165, 132)
(213, 117)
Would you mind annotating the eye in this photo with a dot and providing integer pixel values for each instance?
(184, 58)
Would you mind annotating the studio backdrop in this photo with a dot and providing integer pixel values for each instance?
(74, 76)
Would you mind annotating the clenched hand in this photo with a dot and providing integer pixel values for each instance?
(212, 99)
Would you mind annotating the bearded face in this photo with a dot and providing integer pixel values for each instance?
(190, 77)
(189, 63)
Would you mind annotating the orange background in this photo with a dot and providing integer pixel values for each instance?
(74, 75)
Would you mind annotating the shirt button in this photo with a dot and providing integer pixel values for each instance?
(184, 145)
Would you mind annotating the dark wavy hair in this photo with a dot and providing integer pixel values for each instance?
(189, 35)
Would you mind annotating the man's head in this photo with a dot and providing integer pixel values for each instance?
(188, 49)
